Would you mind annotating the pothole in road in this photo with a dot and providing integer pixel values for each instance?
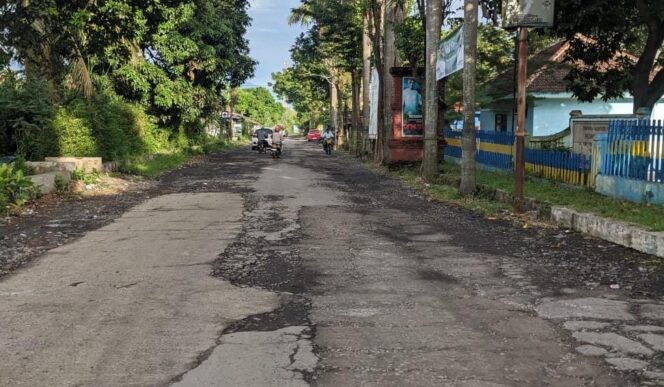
(253, 261)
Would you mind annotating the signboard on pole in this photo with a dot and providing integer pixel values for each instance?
(373, 105)
(528, 13)
(450, 54)
(411, 108)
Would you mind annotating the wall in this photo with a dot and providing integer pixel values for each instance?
(629, 189)
(548, 114)
(552, 114)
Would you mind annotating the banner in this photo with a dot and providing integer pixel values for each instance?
(411, 108)
(528, 13)
(373, 106)
(450, 54)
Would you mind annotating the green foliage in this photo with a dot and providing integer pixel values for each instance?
(85, 177)
(105, 127)
(61, 185)
(24, 114)
(495, 51)
(154, 165)
(614, 26)
(259, 104)
(410, 40)
(15, 188)
(177, 59)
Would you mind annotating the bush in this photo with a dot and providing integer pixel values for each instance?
(112, 129)
(15, 188)
(25, 114)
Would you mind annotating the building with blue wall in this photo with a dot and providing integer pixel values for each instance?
(549, 104)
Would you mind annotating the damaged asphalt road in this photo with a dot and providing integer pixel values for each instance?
(240, 270)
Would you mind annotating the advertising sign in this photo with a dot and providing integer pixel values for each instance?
(411, 108)
(528, 13)
(450, 54)
(373, 106)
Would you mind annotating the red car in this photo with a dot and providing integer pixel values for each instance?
(313, 135)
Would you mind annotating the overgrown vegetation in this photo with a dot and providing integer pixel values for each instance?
(15, 188)
(117, 79)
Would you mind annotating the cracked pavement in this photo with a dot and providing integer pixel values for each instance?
(241, 270)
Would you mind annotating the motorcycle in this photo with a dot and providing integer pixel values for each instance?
(276, 150)
(262, 146)
(327, 146)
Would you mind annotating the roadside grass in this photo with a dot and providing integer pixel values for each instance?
(152, 166)
(650, 216)
(447, 193)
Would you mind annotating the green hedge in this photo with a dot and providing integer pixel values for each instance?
(114, 130)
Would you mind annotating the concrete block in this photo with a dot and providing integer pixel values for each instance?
(40, 167)
(46, 181)
(87, 164)
(645, 241)
(611, 230)
(562, 216)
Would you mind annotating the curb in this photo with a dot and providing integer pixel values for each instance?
(611, 230)
(615, 231)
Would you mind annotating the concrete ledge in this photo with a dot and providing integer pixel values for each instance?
(611, 230)
(46, 181)
(40, 167)
(87, 164)
(628, 189)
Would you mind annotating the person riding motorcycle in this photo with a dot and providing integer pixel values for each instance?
(328, 140)
(262, 141)
(277, 141)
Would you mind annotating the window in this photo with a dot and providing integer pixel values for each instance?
(501, 122)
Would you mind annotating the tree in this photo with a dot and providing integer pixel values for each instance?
(259, 105)
(609, 28)
(177, 58)
(434, 22)
(467, 186)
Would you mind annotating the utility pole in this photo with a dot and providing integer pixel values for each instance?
(520, 173)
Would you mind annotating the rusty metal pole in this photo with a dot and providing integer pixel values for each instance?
(520, 173)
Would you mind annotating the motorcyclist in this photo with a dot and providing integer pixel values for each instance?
(328, 140)
(262, 140)
(277, 139)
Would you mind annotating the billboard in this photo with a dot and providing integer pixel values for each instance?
(373, 105)
(450, 54)
(528, 13)
(411, 108)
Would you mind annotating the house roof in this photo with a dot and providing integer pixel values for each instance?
(546, 73)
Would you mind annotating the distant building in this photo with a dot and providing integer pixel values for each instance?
(548, 102)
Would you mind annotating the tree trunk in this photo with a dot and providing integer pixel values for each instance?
(355, 141)
(341, 129)
(647, 93)
(393, 15)
(434, 21)
(334, 98)
(470, 60)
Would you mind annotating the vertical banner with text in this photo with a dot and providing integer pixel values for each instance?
(373, 106)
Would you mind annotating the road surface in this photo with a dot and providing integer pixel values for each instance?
(241, 270)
